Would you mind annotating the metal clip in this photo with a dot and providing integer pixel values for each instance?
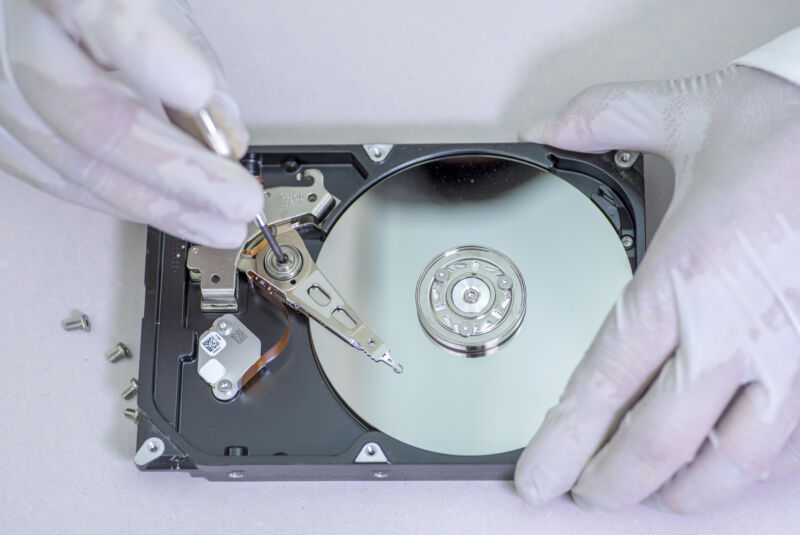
(215, 270)
(299, 205)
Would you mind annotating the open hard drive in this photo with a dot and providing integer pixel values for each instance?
(424, 307)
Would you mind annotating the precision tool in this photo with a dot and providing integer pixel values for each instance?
(203, 128)
(287, 271)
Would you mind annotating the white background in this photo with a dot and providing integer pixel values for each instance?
(323, 72)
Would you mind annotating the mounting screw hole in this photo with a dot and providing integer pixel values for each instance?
(291, 165)
(215, 278)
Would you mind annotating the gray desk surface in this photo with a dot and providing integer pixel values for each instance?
(311, 72)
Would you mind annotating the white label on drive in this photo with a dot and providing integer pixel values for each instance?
(212, 343)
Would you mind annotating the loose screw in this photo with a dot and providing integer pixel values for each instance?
(133, 414)
(82, 323)
(129, 392)
(119, 352)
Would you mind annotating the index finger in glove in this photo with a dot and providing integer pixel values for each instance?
(160, 48)
(142, 38)
(640, 332)
(101, 118)
(640, 116)
(636, 338)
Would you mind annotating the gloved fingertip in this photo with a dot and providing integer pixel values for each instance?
(567, 133)
(539, 131)
(534, 484)
(591, 498)
(255, 200)
(657, 502)
(243, 199)
(606, 117)
(529, 492)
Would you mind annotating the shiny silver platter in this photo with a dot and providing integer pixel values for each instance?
(478, 376)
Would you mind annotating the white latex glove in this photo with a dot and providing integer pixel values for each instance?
(68, 126)
(691, 390)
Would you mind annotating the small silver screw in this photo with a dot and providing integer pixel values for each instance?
(380, 474)
(224, 327)
(82, 323)
(441, 275)
(133, 414)
(377, 152)
(224, 386)
(625, 159)
(129, 392)
(236, 475)
(465, 329)
(119, 352)
(504, 282)
(471, 295)
(627, 242)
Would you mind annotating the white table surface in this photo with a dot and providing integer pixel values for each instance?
(323, 72)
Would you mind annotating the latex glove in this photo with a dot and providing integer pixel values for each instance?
(69, 127)
(691, 389)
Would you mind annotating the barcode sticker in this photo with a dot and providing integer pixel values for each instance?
(212, 343)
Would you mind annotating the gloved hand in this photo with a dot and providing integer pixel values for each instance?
(691, 389)
(69, 127)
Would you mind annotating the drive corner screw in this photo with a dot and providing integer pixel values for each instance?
(627, 241)
(83, 323)
(625, 159)
(133, 414)
(129, 392)
(119, 352)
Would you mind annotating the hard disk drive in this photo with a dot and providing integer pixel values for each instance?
(420, 310)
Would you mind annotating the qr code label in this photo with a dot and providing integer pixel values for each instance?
(212, 343)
